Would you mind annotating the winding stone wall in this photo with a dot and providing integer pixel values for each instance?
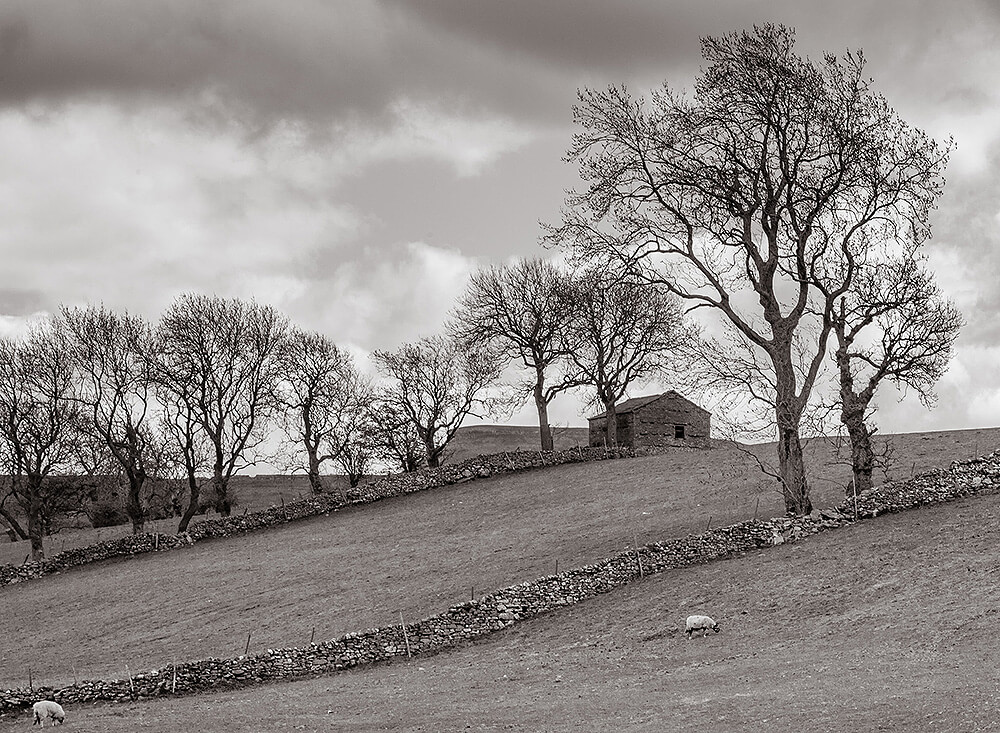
(510, 605)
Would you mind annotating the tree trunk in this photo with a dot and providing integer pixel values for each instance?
(433, 457)
(35, 532)
(852, 414)
(221, 498)
(545, 432)
(431, 452)
(792, 470)
(16, 531)
(192, 508)
(611, 424)
(791, 465)
(862, 453)
(315, 479)
(133, 503)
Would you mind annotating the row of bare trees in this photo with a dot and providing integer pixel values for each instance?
(190, 401)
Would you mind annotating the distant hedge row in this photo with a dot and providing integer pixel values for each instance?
(381, 488)
(510, 605)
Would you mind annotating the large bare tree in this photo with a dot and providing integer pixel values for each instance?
(325, 398)
(520, 310)
(112, 358)
(435, 384)
(778, 173)
(623, 332)
(39, 422)
(894, 325)
(226, 356)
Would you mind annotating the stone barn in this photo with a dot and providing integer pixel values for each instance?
(656, 421)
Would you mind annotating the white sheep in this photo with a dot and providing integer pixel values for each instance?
(700, 623)
(47, 709)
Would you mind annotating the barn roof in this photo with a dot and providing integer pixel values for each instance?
(637, 403)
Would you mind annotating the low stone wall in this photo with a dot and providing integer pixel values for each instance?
(381, 488)
(510, 605)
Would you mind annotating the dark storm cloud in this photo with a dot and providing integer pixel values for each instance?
(583, 34)
(310, 59)
(272, 58)
(352, 58)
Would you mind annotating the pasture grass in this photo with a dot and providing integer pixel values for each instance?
(913, 453)
(361, 567)
(885, 625)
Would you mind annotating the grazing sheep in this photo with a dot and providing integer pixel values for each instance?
(47, 709)
(700, 623)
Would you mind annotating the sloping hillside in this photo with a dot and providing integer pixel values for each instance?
(360, 568)
(886, 625)
(474, 440)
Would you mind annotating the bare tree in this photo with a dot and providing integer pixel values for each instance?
(181, 429)
(780, 172)
(394, 437)
(38, 424)
(521, 312)
(436, 383)
(894, 325)
(357, 440)
(227, 354)
(325, 399)
(622, 332)
(112, 358)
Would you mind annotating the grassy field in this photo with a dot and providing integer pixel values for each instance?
(360, 568)
(887, 625)
(914, 452)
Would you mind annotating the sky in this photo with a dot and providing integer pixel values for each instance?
(352, 162)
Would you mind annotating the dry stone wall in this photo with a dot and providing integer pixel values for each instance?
(508, 606)
(381, 488)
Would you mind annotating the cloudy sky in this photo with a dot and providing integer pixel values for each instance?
(351, 162)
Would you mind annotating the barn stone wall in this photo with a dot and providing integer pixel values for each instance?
(653, 425)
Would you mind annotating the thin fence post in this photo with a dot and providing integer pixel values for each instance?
(173, 682)
(312, 636)
(756, 508)
(709, 525)
(31, 682)
(246, 649)
(638, 559)
(406, 638)
(131, 683)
